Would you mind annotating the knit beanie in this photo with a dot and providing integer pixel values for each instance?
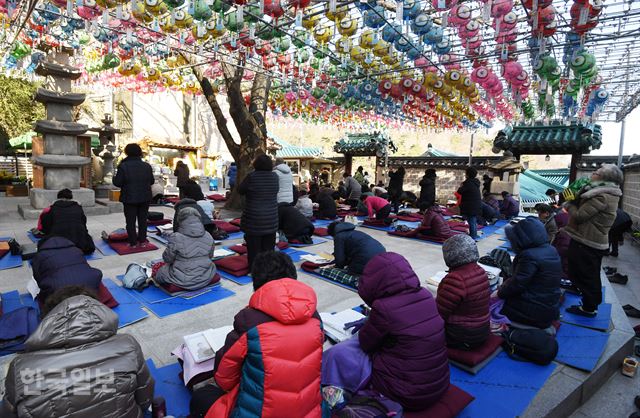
(460, 249)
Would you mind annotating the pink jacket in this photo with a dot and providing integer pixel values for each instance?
(374, 204)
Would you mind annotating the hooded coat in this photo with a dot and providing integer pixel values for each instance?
(434, 224)
(428, 189)
(188, 255)
(403, 335)
(396, 183)
(134, 177)
(66, 218)
(354, 189)
(509, 207)
(260, 214)
(532, 295)
(326, 205)
(59, 263)
(76, 341)
(591, 218)
(232, 173)
(182, 175)
(285, 183)
(353, 249)
(189, 203)
(263, 373)
(470, 201)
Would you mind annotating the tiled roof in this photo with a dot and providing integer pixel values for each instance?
(363, 144)
(557, 175)
(551, 139)
(434, 152)
(533, 187)
(294, 151)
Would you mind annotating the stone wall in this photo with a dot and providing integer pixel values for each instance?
(631, 191)
(447, 182)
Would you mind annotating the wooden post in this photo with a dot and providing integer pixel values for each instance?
(573, 168)
(348, 163)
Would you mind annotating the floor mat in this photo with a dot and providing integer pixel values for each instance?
(241, 280)
(159, 238)
(580, 347)
(316, 275)
(600, 322)
(129, 309)
(9, 261)
(504, 388)
(235, 235)
(96, 255)
(32, 237)
(294, 254)
(104, 248)
(149, 295)
(314, 239)
(123, 248)
(171, 388)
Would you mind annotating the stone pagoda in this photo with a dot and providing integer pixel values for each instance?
(60, 161)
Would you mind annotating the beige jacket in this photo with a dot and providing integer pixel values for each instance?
(77, 366)
(591, 219)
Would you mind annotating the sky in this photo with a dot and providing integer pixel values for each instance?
(611, 136)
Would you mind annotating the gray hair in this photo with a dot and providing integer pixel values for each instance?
(611, 172)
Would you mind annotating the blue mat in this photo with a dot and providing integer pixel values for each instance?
(580, 347)
(9, 261)
(294, 254)
(159, 238)
(600, 322)
(148, 295)
(152, 228)
(315, 240)
(329, 281)
(96, 255)
(178, 304)
(104, 248)
(235, 235)
(169, 385)
(241, 280)
(503, 388)
(323, 222)
(129, 309)
(11, 301)
(32, 237)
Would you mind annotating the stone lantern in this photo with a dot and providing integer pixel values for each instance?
(108, 152)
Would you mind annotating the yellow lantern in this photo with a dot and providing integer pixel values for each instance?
(367, 39)
(382, 49)
(347, 27)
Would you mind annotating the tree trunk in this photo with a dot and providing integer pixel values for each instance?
(250, 122)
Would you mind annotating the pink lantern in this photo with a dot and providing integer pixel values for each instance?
(441, 5)
(501, 8)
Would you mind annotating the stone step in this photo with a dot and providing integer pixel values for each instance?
(28, 212)
(114, 207)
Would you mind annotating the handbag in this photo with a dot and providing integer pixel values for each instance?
(534, 345)
(135, 277)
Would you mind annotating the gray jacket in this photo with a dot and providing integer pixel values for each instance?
(353, 187)
(75, 365)
(592, 214)
(188, 256)
(285, 182)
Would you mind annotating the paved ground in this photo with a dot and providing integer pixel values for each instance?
(159, 336)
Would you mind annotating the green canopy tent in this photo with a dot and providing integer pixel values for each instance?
(23, 142)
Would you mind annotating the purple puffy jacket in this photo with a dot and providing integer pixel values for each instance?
(434, 222)
(404, 334)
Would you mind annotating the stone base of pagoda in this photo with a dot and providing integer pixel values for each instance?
(41, 198)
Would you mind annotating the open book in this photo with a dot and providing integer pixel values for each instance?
(204, 344)
(165, 229)
(334, 324)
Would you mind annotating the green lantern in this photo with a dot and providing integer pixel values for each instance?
(231, 22)
(220, 6)
(282, 45)
(300, 37)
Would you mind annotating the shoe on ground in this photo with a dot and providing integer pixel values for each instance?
(618, 278)
(610, 270)
(133, 245)
(631, 311)
(104, 235)
(577, 310)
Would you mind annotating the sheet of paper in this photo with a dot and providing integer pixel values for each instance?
(314, 258)
(32, 288)
(216, 337)
(222, 252)
(436, 278)
(334, 323)
(489, 269)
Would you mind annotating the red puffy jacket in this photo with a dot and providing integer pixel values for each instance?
(270, 364)
(463, 297)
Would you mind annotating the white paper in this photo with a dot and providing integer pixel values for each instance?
(314, 258)
(216, 337)
(203, 345)
(436, 278)
(222, 252)
(32, 288)
(334, 323)
(489, 269)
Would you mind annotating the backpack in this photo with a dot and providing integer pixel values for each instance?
(14, 247)
(503, 261)
(155, 216)
(135, 277)
(374, 406)
(219, 234)
(534, 345)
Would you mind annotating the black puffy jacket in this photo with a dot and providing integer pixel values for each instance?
(471, 201)
(532, 295)
(260, 215)
(59, 263)
(293, 223)
(134, 177)
(326, 205)
(428, 190)
(67, 219)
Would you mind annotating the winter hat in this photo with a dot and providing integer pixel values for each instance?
(184, 213)
(460, 249)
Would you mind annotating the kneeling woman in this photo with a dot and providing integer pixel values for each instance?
(532, 295)
(434, 225)
(188, 254)
(401, 346)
